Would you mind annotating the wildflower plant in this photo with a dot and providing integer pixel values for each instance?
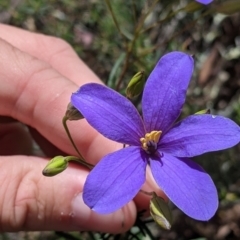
(157, 138)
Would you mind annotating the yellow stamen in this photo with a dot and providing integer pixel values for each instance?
(152, 137)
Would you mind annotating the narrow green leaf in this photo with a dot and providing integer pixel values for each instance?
(114, 71)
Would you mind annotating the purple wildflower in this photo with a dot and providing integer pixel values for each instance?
(205, 2)
(154, 139)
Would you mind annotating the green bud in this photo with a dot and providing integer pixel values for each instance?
(160, 212)
(56, 165)
(72, 113)
(135, 86)
(204, 111)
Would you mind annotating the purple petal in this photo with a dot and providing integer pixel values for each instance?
(198, 134)
(165, 90)
(187, 185)
(204, 1)
(109, 113)
(115, 180)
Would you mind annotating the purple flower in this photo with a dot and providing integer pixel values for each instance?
(154, 139)
(205, 2)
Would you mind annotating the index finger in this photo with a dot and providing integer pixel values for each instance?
(54, 51)
(37, 95)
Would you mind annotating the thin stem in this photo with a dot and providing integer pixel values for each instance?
(190, 25)
(64, 122)
(142, 20)
(124, 69)
(134, 10)
(170, 15)
(132, 44)
(77, 159)
(114, 18)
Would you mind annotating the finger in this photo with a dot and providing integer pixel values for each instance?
(30, 201)
(37, 95)
(55, 51)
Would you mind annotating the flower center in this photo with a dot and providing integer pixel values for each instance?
(150, 141)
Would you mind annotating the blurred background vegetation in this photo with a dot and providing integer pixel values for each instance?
(119, 38)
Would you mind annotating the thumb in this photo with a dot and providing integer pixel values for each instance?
(30, 201)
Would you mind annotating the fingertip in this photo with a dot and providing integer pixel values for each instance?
(88, 220)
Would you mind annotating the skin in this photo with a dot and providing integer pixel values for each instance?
(37, 76)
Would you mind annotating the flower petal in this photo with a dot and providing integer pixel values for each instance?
(109, 113)
(198, 134)
(187, 185)
(204, 1)
(165, 90)
(115, 180)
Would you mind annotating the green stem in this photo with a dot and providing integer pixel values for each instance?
(114, 18)
(64, 121)
(134, 11)
(187, 27)
(169, 16)
(130, 47)
(79, 159)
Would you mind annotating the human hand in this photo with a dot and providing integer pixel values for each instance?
(37, 76)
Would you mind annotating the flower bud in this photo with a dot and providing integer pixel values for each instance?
(204, 111)
(72, 113)
(160, 212)
(56, 165)
(135, 86)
